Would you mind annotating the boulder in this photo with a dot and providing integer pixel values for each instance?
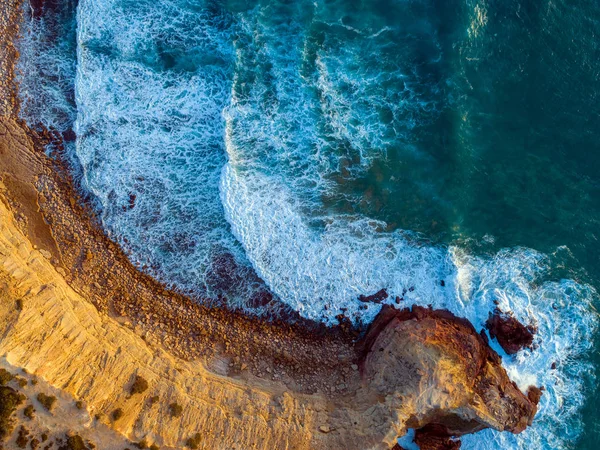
(377, 297)
(511, 334)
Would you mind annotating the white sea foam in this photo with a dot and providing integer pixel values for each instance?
(46, 68)
(150, 136)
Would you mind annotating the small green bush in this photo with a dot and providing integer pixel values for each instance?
(142, 444)
(47, 401)
(154, 447)
(176, 410)
(29, 412)
(34, 444)
(5, 377)
(9, 401)
(117, 414)
(139, 385)
(21, 381)
(194, 441)
(22, 437)
(74, 442)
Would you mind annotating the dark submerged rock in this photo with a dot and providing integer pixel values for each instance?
(377, 297)
(511, 334)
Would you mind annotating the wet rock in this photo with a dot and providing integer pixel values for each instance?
(377, 297)
(435, 438)
(511, 334)
(69, 135)
(534, 394)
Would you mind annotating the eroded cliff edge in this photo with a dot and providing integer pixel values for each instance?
(77, 315)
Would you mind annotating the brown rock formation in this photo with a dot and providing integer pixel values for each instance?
(511, 334)
(465, 366)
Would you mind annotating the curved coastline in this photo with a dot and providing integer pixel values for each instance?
(89, 322)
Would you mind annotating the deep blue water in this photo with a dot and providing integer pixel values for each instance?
(321, 150)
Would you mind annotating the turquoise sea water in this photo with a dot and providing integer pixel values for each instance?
(321, 150)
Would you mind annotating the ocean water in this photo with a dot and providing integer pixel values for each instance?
(320, 150)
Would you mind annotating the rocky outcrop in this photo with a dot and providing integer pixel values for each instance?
(466, 387)
(511, 334)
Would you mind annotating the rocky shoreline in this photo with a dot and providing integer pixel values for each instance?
(79, 316)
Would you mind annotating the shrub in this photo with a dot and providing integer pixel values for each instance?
(5, 377)
(74, 442)
(19, 304)
(175, 409)
(29, 412)
(9, 401)
(79, 404)
(47, 401)
(152, 400)
(154, 447)
(21, 381)
(194, 441)
(22, 437)
(34, 444)
(139, 385)
(117, 414)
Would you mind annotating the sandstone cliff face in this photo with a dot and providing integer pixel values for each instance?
(417, 368)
